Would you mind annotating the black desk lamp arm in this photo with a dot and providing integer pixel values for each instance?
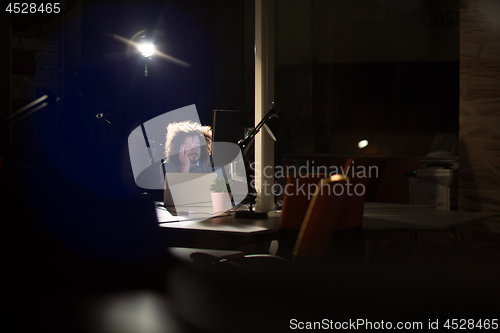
(244, 143)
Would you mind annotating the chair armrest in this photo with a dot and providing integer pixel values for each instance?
(203, 258)
(263, 262)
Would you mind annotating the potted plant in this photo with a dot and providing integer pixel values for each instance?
(221, 201)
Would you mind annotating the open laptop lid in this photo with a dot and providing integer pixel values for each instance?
(188, 192)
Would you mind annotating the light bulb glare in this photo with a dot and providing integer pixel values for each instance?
(147, 49)
(362, 144)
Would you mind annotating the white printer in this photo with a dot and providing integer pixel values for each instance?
(436, 184)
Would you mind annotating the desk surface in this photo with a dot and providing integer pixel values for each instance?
(377, 216)
(222, 224)
(380, 216)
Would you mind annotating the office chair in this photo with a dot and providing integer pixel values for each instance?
(334, 208)
(295, 207)
(293, 211)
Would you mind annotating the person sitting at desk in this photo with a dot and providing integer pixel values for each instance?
(185, 150)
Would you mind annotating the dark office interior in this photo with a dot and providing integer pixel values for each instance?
(404, 87)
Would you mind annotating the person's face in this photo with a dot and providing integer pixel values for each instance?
(193, 148)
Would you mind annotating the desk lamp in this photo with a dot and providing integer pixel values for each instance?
(243, 144)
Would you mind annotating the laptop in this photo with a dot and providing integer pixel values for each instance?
(188, 194)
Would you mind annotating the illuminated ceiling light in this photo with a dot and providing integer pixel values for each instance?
(362, 144)
(147, 49)
(156, 52)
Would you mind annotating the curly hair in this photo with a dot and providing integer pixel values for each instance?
(177, 133)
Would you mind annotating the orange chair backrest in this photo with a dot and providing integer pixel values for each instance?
(297, 197)
(338, 204)
(356, 203)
